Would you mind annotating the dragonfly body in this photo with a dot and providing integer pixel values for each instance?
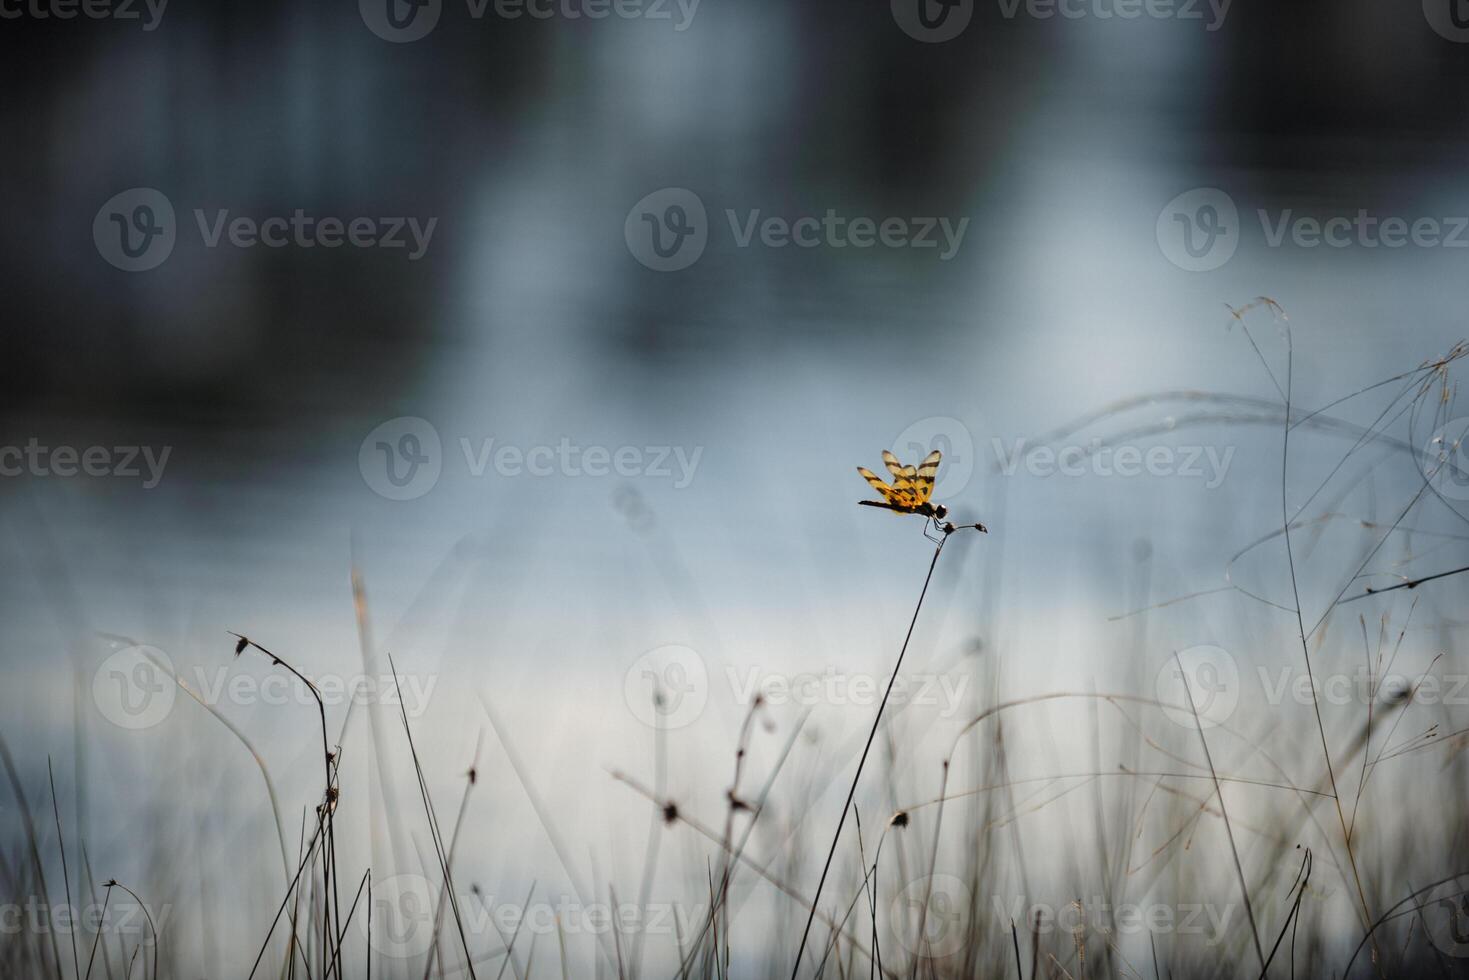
(911, 490)
(926, 509)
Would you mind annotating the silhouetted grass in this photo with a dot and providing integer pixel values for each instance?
(1337, 836)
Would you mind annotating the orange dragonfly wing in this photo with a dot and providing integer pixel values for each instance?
(928, 471)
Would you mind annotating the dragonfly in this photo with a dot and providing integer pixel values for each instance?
(911, 491)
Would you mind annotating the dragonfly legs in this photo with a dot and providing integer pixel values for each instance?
(945, 529)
